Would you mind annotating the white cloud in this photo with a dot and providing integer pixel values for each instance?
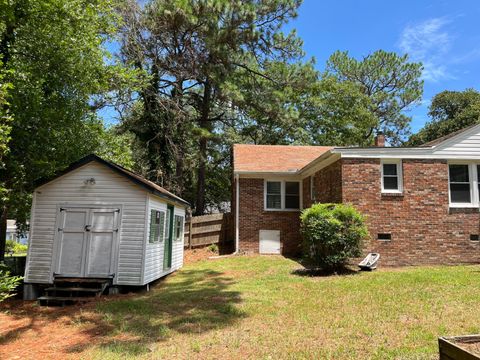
(429, 42)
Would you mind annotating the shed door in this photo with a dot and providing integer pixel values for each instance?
(101, 242)
(269, 241)
(87, 242)
(73, 240)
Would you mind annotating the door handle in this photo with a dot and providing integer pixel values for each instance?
(87, 227)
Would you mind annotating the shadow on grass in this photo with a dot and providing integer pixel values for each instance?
(308, 270)
(195, 301)
(320, 272)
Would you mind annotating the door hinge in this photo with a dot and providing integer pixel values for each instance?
(60, 229)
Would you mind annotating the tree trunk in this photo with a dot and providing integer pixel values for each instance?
(200, 203)
(3, 233)
(202, 165)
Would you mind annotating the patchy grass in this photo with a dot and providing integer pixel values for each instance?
(263, 307)
(259, 307)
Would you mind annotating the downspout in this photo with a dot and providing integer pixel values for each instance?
(237, 212)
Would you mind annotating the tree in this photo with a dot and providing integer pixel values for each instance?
(391, 83)
(53, 57)
(450, 111)
(199, 57)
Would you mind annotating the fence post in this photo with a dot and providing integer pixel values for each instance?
(190, 231)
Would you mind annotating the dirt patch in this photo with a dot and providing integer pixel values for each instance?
(194, 255)
(473, 347)
(29, 331)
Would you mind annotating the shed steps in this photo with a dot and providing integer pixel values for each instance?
(71, 290)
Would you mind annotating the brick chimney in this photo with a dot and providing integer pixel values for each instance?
(380, 140)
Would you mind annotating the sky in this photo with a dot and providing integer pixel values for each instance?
(443, 35)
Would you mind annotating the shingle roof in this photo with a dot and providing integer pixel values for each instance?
(274, 158)
(139, 180)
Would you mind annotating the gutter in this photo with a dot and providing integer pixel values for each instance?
(237, 212)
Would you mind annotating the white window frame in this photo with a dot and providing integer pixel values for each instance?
(398, 163)
(473, 180)
(282, 194)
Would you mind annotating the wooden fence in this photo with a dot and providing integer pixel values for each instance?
(208, 229)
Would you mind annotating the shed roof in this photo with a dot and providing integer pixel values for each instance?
(274, 158)
(137, 179)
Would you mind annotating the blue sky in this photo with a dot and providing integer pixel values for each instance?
(444, 35)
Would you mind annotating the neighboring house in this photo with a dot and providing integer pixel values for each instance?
(13, 234)
(421, 203)
(97, 219)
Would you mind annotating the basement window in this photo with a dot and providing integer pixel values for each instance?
(474, 237)
(384, 236)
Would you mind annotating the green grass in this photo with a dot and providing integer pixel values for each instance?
(259, 307)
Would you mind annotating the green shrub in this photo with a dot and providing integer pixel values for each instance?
(213, 248)
(8, 283)
(11, 246)
(332, 234)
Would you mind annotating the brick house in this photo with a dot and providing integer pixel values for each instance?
(422, 203)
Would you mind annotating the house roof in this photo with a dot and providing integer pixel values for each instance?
(274, 158)
(448, 136)
(137, 179)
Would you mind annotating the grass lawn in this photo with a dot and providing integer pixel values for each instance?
(258, 307)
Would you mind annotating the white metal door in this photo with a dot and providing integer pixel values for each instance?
(269, 242)
(87, 242)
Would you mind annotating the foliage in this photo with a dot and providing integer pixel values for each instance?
(14, 247)
(332, 234)
(53, 57)
(8, 283)
(213, 248)
(202, 60)
(450, 111)
(391, 83)
(115, 146)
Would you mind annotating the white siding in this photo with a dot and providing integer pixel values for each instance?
(110, 189)
(154, 252)
(466, 144)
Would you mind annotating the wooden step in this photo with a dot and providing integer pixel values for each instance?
(80, 280)
(78, 289)
(64, 298)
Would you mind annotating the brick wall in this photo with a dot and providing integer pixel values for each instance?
(253, 218)
(424, 230)
(328, 184)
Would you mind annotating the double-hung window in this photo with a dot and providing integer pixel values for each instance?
(392, 176)
(282, 195)
(157, 226)
(178, 227)
(460, 183)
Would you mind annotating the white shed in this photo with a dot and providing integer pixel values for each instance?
(99, 220)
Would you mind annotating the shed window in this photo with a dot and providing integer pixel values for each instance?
(459, 184)
(391, 176)
(178, 227)
(282, 195)
(157, 226)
